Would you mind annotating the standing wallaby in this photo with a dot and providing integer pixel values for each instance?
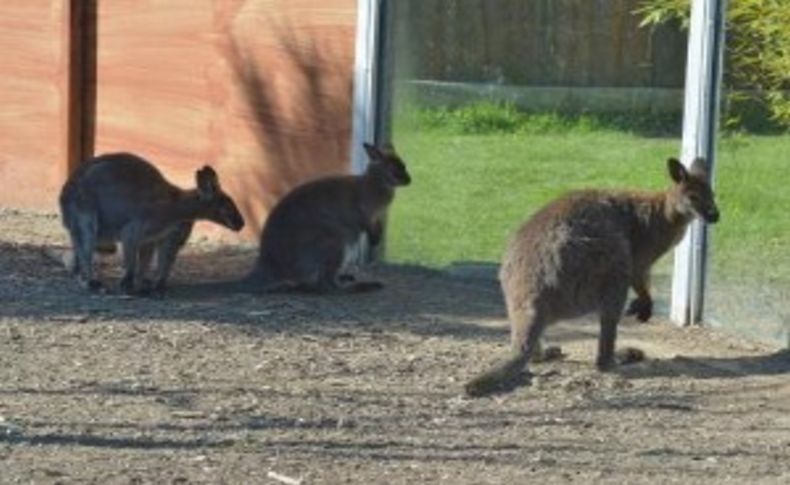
(311, 231)
(580, 253)
(122, 197)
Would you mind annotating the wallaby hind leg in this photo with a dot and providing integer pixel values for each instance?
(144, 256)
(349, 283)
(329, 282)
(166, 253)
(130, 244)
(85, 239)
(322, 273)
(612, 304)
(71, 258)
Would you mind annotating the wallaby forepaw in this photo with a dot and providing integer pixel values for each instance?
(642, 308)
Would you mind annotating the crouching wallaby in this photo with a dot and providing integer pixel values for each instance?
(122, 197)
(580, 253)
(310, 233)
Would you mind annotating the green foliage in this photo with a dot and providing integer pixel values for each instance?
(506, 118)
(758, 51)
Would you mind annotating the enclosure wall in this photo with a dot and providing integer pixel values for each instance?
(33, 100)
(261, 89)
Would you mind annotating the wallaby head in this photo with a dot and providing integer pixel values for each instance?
(386, 165)
(221, 208)
(692, 194)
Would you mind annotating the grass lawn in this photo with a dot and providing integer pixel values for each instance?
(470, 191)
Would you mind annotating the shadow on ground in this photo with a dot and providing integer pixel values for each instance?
(711, 367)
(415, 299)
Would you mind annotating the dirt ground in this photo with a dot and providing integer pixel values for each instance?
(237, 389)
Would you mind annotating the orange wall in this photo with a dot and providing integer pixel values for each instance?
(33, 101)
(261, 89)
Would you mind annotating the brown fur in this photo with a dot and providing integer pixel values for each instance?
(121, 197)
(580, 253)
(307, 238)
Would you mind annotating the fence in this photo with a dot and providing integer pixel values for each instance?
(580, 43)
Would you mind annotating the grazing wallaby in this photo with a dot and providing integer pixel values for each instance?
(122, 197)
(580, 253)
(309, 234)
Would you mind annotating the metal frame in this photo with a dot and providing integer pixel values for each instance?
(372, 97)
(373, 93)
(700, 123)
(368, 94)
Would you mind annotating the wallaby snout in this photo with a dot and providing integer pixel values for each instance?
(386, 161)
(228, 215)
(223, 210)
(693, 193)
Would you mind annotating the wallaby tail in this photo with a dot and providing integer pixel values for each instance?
(60, 256)
(65, 256)
(505, 377)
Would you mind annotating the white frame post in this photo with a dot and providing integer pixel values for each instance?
(366, 68)
(366, 109)
(700, 121)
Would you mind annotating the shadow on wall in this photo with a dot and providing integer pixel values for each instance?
(298, 101)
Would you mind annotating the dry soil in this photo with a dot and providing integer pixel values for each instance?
(230, 388)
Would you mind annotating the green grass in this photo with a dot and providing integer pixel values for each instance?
(478, 174)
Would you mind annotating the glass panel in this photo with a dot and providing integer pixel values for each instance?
(501, 106)
(749, 278)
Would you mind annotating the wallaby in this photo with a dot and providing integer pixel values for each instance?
(121, 197)
(580, 253)
(310, 232)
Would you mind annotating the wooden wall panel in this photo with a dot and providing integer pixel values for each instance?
(259, 88)
(33, 101)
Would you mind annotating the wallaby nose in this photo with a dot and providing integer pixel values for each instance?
(236, 222)
(239, 224)
(712, 216)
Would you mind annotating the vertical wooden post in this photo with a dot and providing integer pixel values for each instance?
(81, 16)
(700, 122)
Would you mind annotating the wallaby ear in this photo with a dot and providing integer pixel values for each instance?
(373, 152)
(207, 181)
(677, 171)
(699, 167)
